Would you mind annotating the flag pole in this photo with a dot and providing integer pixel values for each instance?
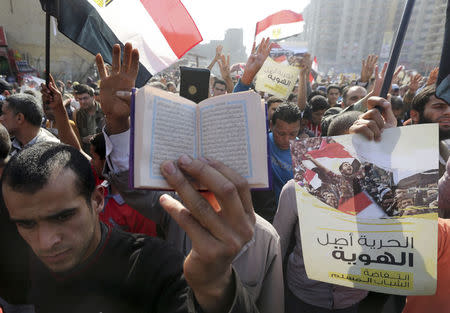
(395, 52)
(47, 47)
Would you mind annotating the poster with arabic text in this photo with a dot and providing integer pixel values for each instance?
(368, 210)
(276, 78)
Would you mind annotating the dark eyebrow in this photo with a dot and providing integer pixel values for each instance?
(63, 212)
(50, 217)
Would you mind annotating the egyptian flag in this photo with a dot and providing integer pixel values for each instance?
(331, 156)
(443, 82)
(314, 70)
(162, 30)
(279, 25)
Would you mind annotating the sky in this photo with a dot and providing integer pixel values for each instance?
(213, 17)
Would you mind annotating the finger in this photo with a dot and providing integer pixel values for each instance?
(200, 209)
(228, 61)
(225, 191)
(134, 64)
(253, 47)
(127, 57)
(240, 183)
(362, 129)
(199, 235)
(116, 59)
(383, 70)
(100, 66)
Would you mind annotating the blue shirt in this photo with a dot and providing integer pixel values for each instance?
(281, 164)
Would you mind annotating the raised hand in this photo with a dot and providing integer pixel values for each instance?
(256, 60)
(217, 237)
(432, 78)
(414, 83)
(368, 66)
(122, 78)
(219, 49)
(378, 117)
(52, 97)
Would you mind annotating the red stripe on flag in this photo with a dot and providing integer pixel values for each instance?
(281, 59)
(332, 150)
(356, 204)
(282, 17)
(175, 23)
(309, 175)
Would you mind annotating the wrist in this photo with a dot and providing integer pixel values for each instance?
(247, 79)
(117, 125)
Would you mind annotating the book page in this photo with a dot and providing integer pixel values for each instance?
(165, 128)
(232, 130)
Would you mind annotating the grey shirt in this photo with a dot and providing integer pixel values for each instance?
(314, 292)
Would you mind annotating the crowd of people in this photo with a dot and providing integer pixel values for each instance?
(98, 245)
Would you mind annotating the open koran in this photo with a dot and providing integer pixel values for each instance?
(230, 128)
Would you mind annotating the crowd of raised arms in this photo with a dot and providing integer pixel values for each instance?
(75, 237)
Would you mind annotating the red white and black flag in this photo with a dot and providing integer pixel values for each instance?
(279, 25)
(162, 30)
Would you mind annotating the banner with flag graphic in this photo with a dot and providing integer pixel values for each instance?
(162, 30)
(279, 25)
(364, 224)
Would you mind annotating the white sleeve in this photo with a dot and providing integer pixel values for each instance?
(117, 151)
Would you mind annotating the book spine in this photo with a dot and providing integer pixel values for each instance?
(132, 127)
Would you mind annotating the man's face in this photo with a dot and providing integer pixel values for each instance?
(85, 100)
(56, 221)
(97, 162)
(219, 89)
(271, 109)
(332, 96)
(406, 203)
(9, 119)
(283, 132)
(316, 117)
(354, 94)
(437, 111)
(346, 169)
(331, 200)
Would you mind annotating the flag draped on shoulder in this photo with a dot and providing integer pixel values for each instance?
(279, 25)
(162, 30)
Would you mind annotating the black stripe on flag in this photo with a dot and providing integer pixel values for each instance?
(82, 24)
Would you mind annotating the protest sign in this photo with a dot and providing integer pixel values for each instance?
(368, 210)
(276, 79)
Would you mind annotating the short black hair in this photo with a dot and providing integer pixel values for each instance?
(421, 99)
(29, 171)
(219, 81)
(396, 103)
(333, 87)
(315, 93)
(318, 103)
(342, 122)
(287, 113)
(98, 142)
(82, 88)
(28, 105)
(5, 143)
(273, 99)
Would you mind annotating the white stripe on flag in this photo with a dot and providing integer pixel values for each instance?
(137, 26)
(280, 31)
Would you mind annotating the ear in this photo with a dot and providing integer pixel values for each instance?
(98, 198)
(20, 118)
(415, 116)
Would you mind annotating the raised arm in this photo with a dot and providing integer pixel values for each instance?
(305, 64)
(254, 63)
(52, 97)
(216, 57)
(224, 64)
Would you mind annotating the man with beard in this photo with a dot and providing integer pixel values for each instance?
(427, 108)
